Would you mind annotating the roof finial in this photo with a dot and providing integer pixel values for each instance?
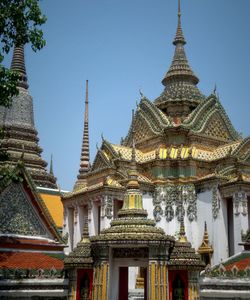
(179, 37)
(215, 89)
(179, 9)
(51, 165)
(84, 163)
(18, 65)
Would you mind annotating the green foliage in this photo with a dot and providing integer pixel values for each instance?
(20, 22)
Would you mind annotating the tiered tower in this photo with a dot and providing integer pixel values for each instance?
(20, 136)
(181, 95)
(84, 159)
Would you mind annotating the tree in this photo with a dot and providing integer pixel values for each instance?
(20, 22)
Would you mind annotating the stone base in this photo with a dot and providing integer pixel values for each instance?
(136, 294)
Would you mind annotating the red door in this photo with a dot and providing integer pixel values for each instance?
(123, 283)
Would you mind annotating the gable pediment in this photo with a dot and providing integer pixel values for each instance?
(18, 214)
(210, 119)
(215, 127)
(149, 122)
(101, 161)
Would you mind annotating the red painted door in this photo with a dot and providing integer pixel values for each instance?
(146, 284)
(123, 283)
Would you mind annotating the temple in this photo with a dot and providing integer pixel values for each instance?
(189, 169)
(165, 214)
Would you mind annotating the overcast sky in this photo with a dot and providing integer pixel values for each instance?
(121, 47)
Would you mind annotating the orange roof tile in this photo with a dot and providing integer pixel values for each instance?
(55, 207)
(241, 264)
(29, 260)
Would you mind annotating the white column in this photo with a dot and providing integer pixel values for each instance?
(107, 211)
(240, 218)
(66, 229)
(219, 228)
(76, 225)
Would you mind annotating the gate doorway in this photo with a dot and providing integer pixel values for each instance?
(124, 283)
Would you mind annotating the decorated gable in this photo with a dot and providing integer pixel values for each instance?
(216, 128)
(18, 215)
(101, 161)
(211, 120)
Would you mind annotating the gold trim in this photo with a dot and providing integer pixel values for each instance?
(104, 282)
(152, 296)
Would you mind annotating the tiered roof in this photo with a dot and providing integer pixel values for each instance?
(81, 256)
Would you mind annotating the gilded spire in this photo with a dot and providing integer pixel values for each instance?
(133, 180)
(132, 204)
(84, 161)
(205, 246)
(18, 65)
(182, 233)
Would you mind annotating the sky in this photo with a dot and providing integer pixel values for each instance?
(122, 47)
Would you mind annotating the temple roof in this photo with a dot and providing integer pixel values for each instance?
(30, 260)
(207, 120)
(53, 202)
(233, 267)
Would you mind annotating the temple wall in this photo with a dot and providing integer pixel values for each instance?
(66, 229)
(220, 234)
(204, 214)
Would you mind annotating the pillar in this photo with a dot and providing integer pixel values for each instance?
(240, 222)
(72, 284)
(101, 280)
(157, 280)
(193, 286)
